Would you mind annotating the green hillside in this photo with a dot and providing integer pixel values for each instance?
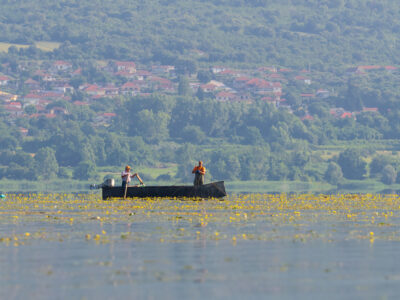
(301, 33)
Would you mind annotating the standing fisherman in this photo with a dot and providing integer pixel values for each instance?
(126, 177)
(199, 172)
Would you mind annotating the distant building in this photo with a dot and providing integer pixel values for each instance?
(60, 65)
(123, 66)
(226, 96)
(322, 94)
(4, 80)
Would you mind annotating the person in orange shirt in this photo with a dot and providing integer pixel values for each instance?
(199, 172)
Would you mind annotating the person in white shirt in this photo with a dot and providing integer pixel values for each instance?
(126, 176)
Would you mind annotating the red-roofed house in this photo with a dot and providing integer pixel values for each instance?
(124, 66)
(240, 82)
(58, 111)
(275, 76)
(40, 108)
(142, 75)
(14, 104)
(14, 109)
(323, 94)
(229, 73)
(77, 72)
(303, 78)
(217, 69)
(48, 77)
(32, 84)
(370, 109)
(4, 80)
(64, 88)
(130, 88)
(262, 86)
(208, 88)
(346, 115)
(307, 96)
(390, 68)
(111, 90)
(307, 117)
(60, 65)
(226, 96)
(50, 116)
(268, 69)
(23, 131)
(94, 90)
(32, 99)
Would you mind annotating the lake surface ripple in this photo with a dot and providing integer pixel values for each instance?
(57, 246)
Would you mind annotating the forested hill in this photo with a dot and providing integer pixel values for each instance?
(299, 33)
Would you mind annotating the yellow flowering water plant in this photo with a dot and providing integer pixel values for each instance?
(237, 218)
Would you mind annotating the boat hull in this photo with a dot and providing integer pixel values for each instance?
(210, 190)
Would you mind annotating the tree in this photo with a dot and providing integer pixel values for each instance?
(388, 175)
(252, 136)
(77, 81)
(184, 87)
(46, 163)
(378, 164)
(30, 109)
(153, 127)
(8, 143)
(204, 76)
(193, 134)
(352, 164)
(333, 174)
(353, 99)
(183, 66)
(85, 170)
(200, 93)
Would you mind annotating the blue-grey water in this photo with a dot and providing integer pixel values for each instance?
(173, 251)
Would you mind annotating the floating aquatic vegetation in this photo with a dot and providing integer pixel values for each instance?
(238, 218)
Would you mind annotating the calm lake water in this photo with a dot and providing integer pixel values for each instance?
(247, 246)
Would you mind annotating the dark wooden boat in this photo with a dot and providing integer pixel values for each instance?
(210, 190)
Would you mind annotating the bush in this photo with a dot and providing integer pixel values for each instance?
(388, 175)
(333, 174)
(64, 173)
(352, 164)
(85, 170)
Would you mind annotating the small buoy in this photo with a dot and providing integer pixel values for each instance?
(2, 196)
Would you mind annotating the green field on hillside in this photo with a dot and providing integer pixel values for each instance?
(45, 46)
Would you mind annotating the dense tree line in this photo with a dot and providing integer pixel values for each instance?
(239, 141)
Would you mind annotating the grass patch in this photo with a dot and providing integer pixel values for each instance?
(45, 46)
(4, 46)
